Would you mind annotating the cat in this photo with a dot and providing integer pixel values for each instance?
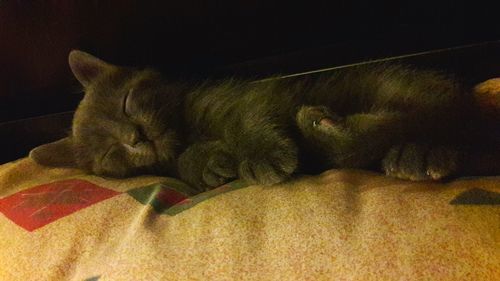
(126, 124)
(405, 122)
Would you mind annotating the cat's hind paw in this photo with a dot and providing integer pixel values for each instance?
(418, 162)
(314, 118)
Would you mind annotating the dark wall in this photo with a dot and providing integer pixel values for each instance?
(201, 37)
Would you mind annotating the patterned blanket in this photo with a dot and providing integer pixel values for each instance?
(62, 224)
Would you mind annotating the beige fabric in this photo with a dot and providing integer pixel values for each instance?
(341, 225)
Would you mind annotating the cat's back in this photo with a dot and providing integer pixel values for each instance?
(234, 100)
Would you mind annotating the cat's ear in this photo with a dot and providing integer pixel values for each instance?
(86, 67)
(60, 153)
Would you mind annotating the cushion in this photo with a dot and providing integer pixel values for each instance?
(62, 224)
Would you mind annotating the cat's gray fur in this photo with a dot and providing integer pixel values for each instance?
(403, 121)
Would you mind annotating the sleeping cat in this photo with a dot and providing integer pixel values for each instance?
(408, 123)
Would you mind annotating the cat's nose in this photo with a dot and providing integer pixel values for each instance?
(138, 136)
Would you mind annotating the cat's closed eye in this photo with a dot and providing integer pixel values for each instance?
(127, 104)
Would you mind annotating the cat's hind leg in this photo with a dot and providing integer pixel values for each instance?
(359, 139)
(353, 141)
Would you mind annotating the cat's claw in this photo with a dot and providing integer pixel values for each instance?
(418, 162)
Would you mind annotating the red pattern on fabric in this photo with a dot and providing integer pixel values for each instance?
(170, 197)
(40, 205)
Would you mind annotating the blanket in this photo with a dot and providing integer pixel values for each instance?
(63, 224)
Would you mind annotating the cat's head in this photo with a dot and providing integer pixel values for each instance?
(128, 122)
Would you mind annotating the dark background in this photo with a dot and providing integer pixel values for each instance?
(218, 37)
(194, 38)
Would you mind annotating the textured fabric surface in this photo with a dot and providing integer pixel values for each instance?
(340, 225)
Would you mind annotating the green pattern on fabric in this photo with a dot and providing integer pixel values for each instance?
(162, 195)
(191, 202)
(180, 186)
(477, 196)
(173, 197)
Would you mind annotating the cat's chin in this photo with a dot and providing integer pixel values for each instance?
(140, 148)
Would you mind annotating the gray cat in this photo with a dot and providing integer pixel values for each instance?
(408, 123)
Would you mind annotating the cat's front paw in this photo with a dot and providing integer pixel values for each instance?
(270, 166)
(207, 165)
(417, 162)
(220, 169)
